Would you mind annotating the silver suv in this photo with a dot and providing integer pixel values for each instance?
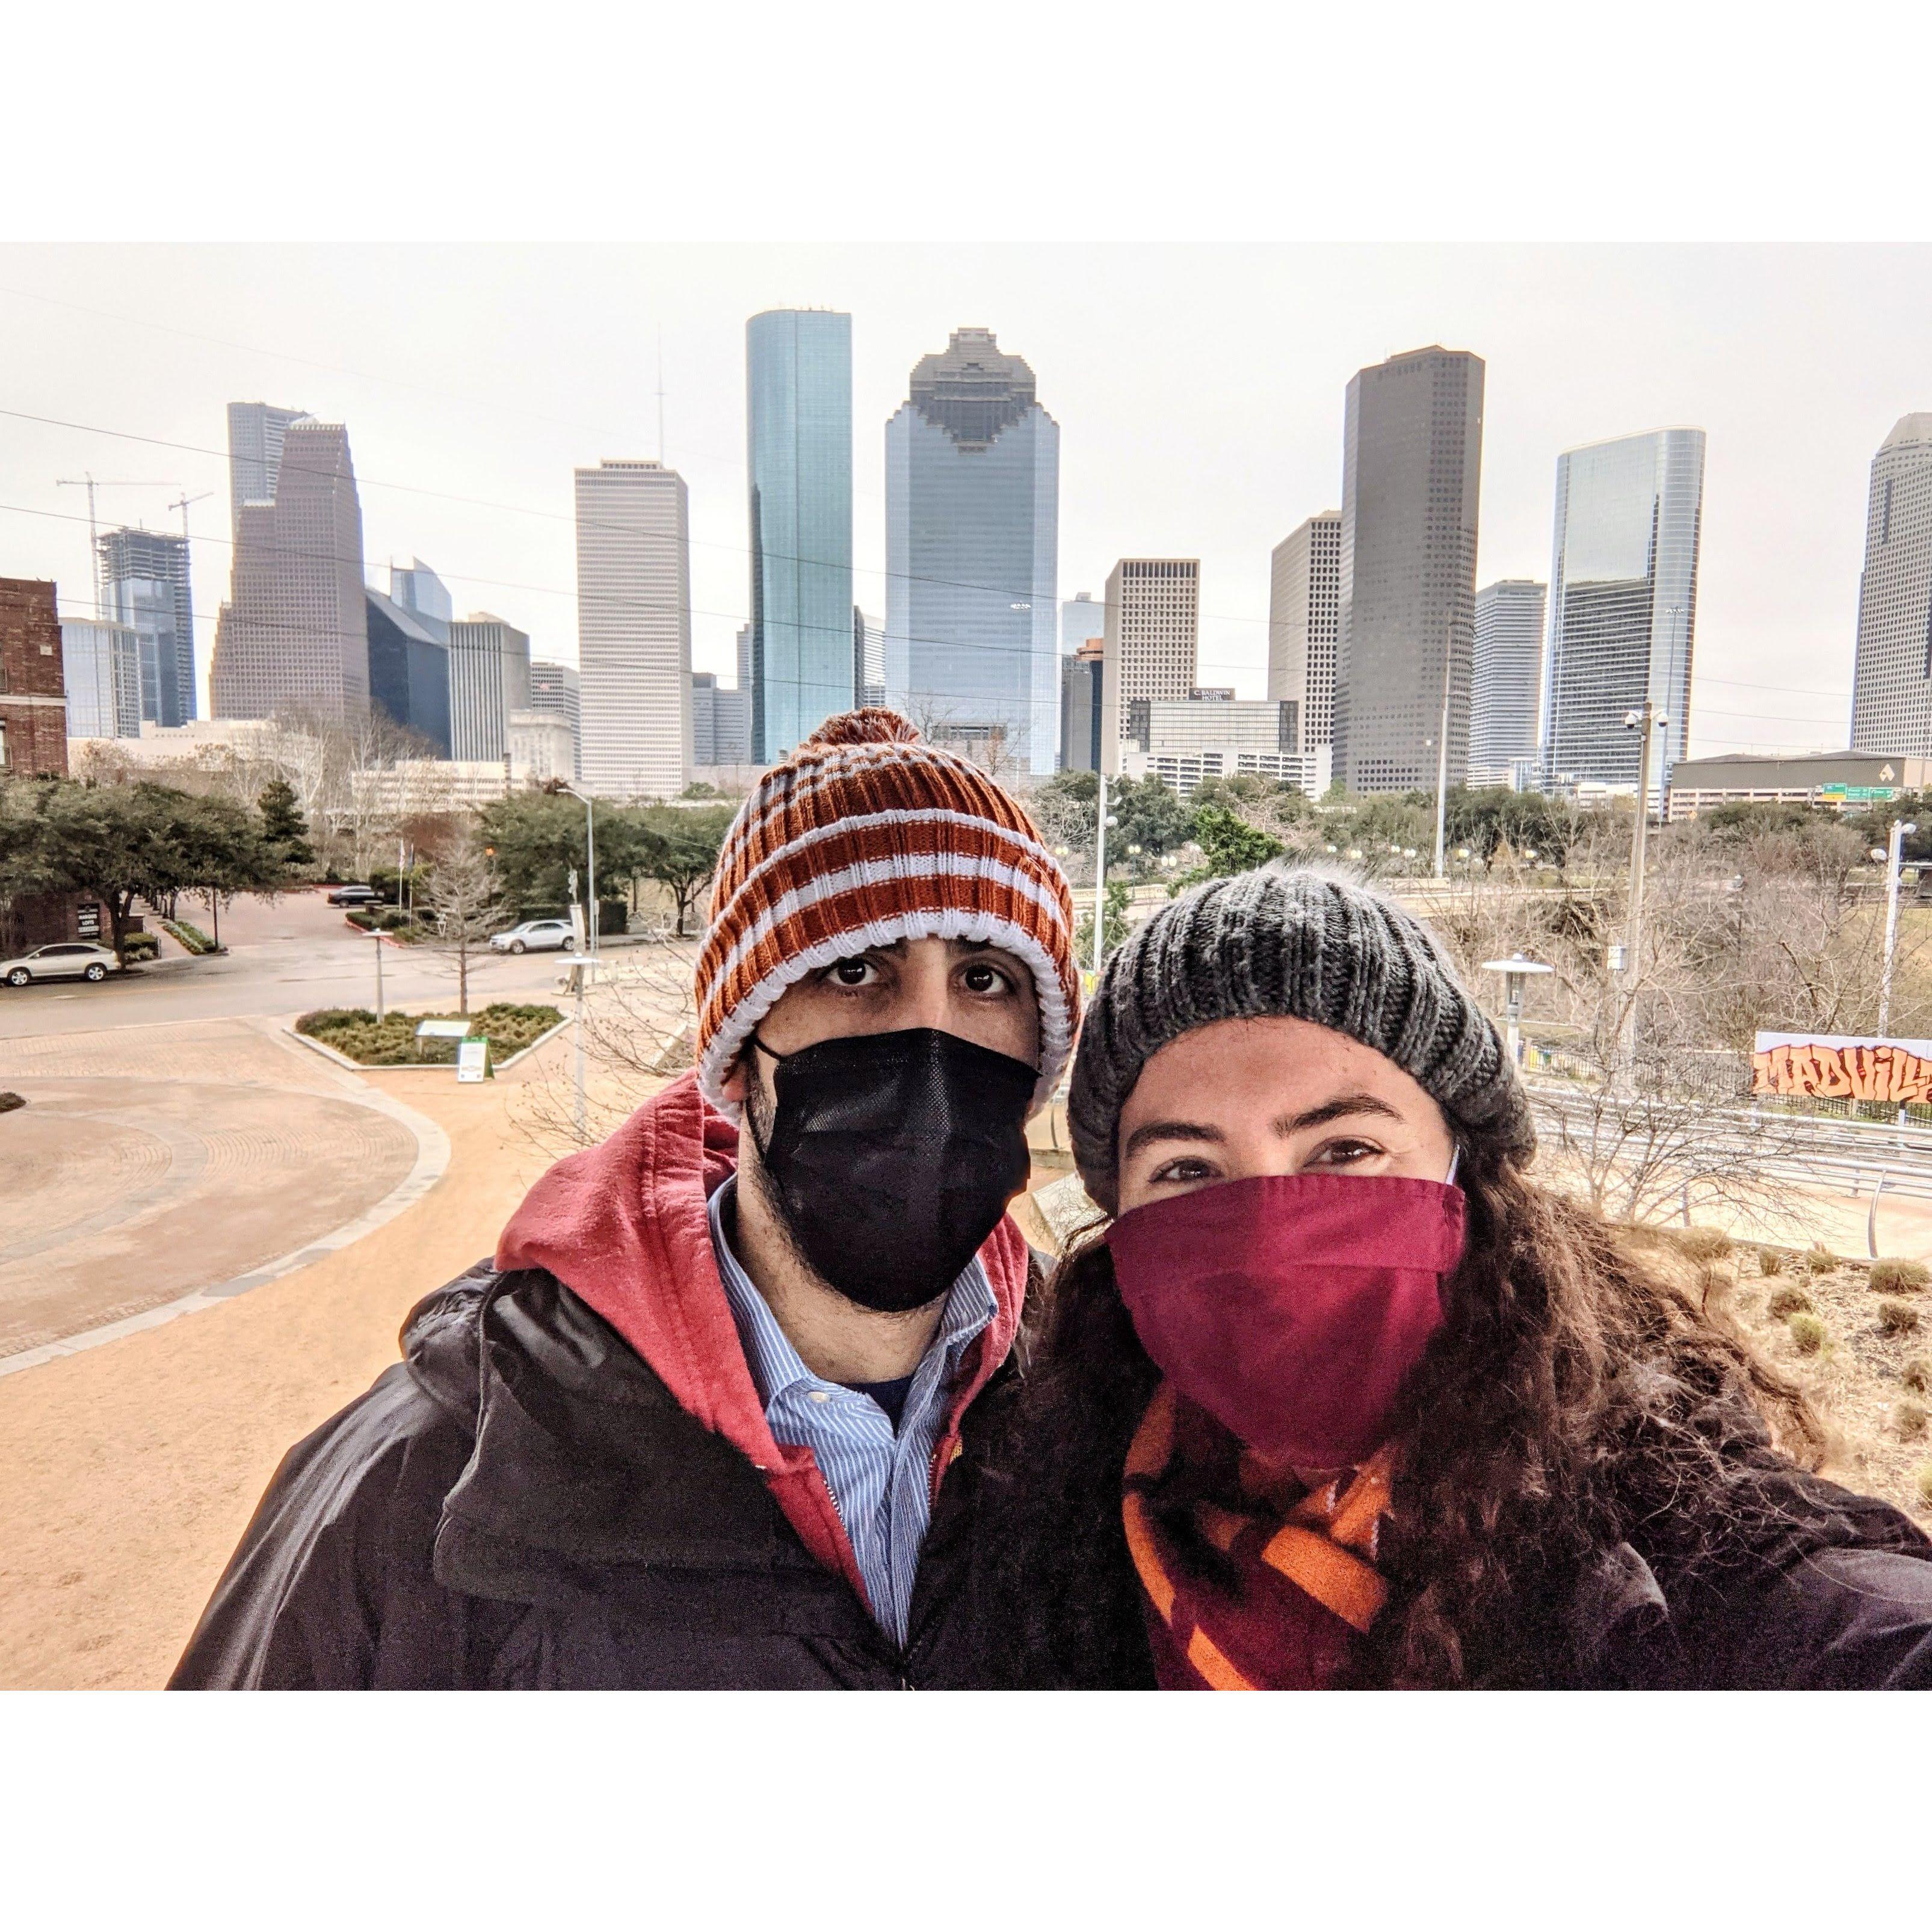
(71, 960)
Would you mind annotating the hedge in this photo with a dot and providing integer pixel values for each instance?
(355, 1032)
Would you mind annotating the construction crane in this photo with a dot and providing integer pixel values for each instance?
(180, 503)
(87, 481)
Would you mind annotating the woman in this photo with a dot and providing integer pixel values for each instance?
(1340, 1397)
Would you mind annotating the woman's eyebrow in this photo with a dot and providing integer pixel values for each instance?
(1338, 1109)
(1170, 1130)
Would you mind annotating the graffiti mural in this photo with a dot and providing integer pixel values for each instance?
(1830, 1066)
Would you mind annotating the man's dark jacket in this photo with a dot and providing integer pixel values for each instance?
(575, 1486)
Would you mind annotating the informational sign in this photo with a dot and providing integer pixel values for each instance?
(1842, 1067)
(577, 926)
(473, 1060)
(87, 920)
(1831, 794)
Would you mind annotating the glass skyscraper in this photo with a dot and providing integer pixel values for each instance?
(1891, 684)
(972, 557)
(1623, 605)
(1506, 681)
(798, 396)
(144, 585)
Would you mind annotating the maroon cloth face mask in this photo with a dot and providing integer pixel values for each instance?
(1291, 1307)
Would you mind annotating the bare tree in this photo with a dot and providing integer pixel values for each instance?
(462, 898)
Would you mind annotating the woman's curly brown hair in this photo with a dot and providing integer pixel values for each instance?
(1575, 1399)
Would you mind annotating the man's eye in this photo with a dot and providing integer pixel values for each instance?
(982, 979)
(851, 972)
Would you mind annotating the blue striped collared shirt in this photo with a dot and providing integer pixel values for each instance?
(881, 1479)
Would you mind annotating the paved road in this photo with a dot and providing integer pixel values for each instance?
(289, 954)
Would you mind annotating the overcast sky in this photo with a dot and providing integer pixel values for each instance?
(1199, 392)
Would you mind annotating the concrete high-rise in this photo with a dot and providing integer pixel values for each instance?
(798, 411)
(1412, 469)
(868, 659)
(1506, 681)
(721, 722)
(1082, 706)
(1892, 681)
(633, 629)
(409, 670)
(294, 635)
(144, 585)
(423, 594)
(1304, 624)
(256, 432)
(101, 670)
(1623, 606)
(553, 688)
(1081, 618)
(489, 679)
(1151, 642)
(972, 555)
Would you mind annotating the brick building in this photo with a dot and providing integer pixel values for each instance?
(33, 694)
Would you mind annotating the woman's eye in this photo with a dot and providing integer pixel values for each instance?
(1188, 1167)
(851, 972)
(1343, 1153)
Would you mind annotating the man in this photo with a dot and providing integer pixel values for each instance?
(694, 1427)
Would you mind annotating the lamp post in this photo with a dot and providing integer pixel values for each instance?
(590, 861)
(1895, 852)
(1644, 722)
(581, 969)
(1100, 874)
(377, 936)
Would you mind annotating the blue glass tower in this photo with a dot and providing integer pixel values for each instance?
(798, 385)
(972, 557)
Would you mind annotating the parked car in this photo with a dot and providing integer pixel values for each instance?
(71, 960)
(536, 935)
(354, 895)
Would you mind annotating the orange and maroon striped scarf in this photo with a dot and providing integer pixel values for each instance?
(1300, 1581)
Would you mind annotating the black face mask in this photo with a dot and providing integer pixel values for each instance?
(893, 1156)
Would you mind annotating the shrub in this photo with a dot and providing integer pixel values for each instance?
(1789, 1300)
(1917, 1375)
(355, 1032)
(139, 946)
(1909, 1419)
(1819, 1259)
(10, 1101)
(1702, 1244)
(1898, 1277)
(1897, 1317)
(1771, 1261)
(1807, 1333)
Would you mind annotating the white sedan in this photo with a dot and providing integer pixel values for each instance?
(536, 935)
(71, 960)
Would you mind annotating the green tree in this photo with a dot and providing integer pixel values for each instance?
(284, 830)
(1228, 844)
(1113, 928)
(678, 848)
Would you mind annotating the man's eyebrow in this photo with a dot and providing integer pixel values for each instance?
(1170, 1130)
(1338, 1109)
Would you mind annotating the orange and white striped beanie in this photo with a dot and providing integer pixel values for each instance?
(864, 836)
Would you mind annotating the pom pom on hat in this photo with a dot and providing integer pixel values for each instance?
(874, 725)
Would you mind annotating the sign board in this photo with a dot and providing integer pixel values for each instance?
(472, 1060)
(577, 924)
(1867, 794)
(87, 921)
(443, 1030)
(1842, 1067)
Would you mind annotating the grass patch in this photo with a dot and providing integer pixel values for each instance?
(1917, 1375)
(1787, 1301)
(1897, 1317)
(356, 1033)
(1807, 1333)
(1820, 1260)
(1923, 1482)
(1771, 1261)
(1898, 1277)
(1702, 1244)
(190, 938)
(1909, 1419)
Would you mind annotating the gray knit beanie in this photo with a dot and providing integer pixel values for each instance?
(1300, 943)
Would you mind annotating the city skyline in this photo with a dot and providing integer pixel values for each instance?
(1777, 605)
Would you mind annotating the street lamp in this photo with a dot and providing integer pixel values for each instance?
(1516, 971)
(581, 969)
(1645, 723)
(1895, 851)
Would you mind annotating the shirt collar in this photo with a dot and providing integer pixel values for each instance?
(777, 1367)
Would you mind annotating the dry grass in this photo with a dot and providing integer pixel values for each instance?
(1820, 1260)
(1887, 1277)
(1807, 1333)
(1788, 1300)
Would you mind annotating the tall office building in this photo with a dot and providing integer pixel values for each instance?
(1623, 606)
(721, 722)
(1081, 618)
(1082, 706)
(1304, 624)
(100, 670)
(294, 634)
(409, 670)
(972, 555)
(1891, 681)
(421, 592)
(256, 432)
(144, 585)
(553, 688)
(1152, 640)
(868, 659)
(633, 629)
(1506, 681)
(1411, 468)
(489, 679)
(798, 414)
